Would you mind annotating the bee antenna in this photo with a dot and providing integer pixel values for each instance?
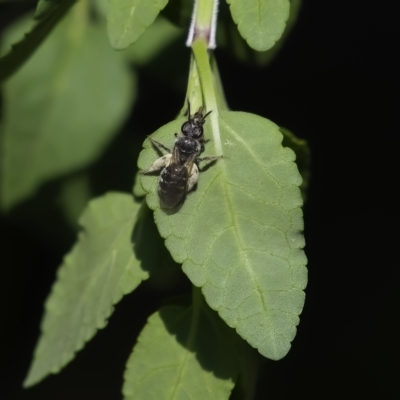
(204, 118)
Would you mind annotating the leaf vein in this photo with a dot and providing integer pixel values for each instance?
(250, 151)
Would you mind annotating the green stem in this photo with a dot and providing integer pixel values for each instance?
(204, 22)
(202, 59)
(219, 90)
(203, 84)
(194, 92)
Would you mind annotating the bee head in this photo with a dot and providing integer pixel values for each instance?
(193, 127)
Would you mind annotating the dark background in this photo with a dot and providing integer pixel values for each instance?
(335, 84)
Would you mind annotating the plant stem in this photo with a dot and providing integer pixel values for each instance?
(201, 56)
(204, 22)
(202, 83)
(219, 90)
(194, 92)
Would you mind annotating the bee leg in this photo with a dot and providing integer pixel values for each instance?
(160, 163)
(194, 176)
(202, 142)
(210, 159)
(159, 145)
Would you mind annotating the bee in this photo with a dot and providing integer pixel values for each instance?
(179, 171)
(179, 167)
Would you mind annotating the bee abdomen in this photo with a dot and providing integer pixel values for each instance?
(172, 185)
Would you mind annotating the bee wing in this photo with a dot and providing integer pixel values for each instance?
(175, 157)
(190, 162)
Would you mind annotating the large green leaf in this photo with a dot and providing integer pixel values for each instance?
(62, 107)
(128, 19)
(260, 22)
(239, 234)
(48, 14)
(182, 354)
(99, 270)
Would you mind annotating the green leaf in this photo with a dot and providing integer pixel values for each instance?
(303, 157)
(75, 193)
(230, 40)
(62, 108)
(260, 22)
(100, 8)
(45, 7)
(182, 354)
(159, 35)
(94, 276)
(238, 235)
(48, 14)
(128, 19)
(137, 190)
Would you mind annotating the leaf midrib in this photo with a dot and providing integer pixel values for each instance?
(112, 250)
(93, 277)
(232, 215)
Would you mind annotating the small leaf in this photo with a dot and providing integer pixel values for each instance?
(182, 355)
(230, 39)
(62, 108)
(239, 234)
(161, 43)
(48, 14)
(94, 276)
(260, 22)
(128, 19)
(156, 39)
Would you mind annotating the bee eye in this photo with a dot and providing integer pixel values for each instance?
(186, 128)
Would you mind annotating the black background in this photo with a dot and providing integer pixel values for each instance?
(335, 84)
